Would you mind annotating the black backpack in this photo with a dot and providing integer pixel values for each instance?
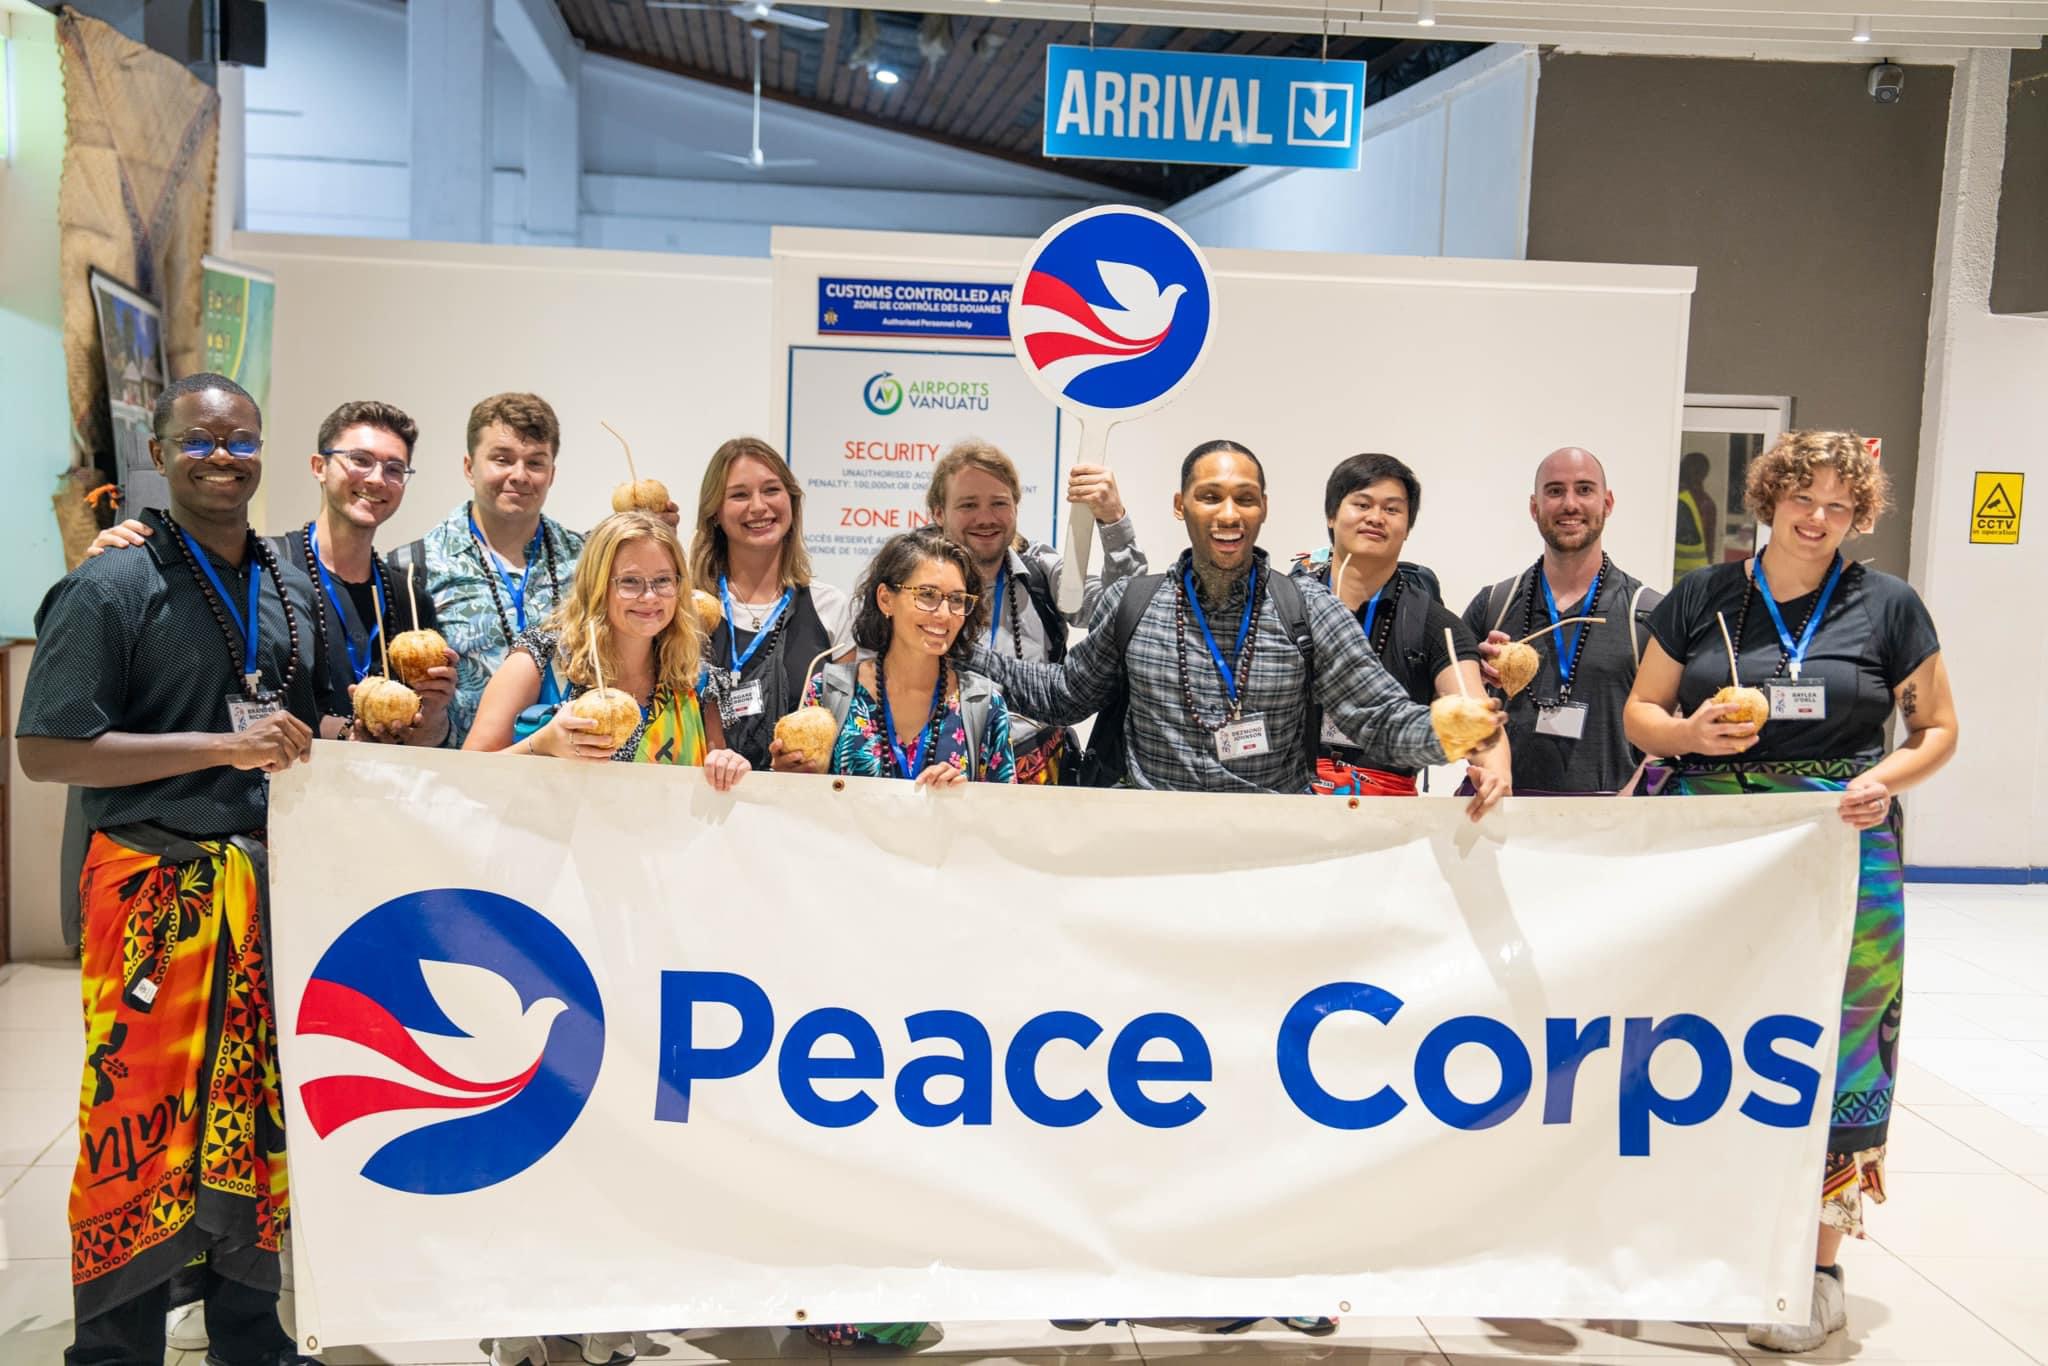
(1038, 586)
(1105, 764)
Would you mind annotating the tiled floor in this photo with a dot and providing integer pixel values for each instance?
(1956, 1273)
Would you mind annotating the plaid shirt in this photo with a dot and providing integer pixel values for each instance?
(1167, 749)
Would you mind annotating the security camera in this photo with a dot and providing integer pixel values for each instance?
(1886, 83)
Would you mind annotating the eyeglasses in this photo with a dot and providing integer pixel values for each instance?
(633, 586)
(360, 463)
(929, 599)
(199, 445)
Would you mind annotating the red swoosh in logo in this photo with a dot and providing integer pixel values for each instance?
(345, 1013)
(1049, 291)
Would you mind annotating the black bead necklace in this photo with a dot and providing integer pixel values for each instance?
(1601, 582)
(931, 727)
(1016, 606)
(488, 559)
(319, 610)
(1241, 671)
(265, 563)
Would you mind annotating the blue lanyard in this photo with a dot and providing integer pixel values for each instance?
(909, 763)
(360, 667)
(251, 628)
(1566, 648)
(516, 589)
(995, 617)
(1795, 654)
(732, 631)
(1244, 627)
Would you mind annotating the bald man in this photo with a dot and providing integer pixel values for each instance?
(1564, 729)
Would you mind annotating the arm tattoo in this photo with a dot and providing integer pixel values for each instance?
(1909, 700)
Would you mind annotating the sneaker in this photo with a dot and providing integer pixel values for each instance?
(185, 1327)
(1830, 1315)
(519, 1352)
(1314, 1327)
(609, 1349)
(285, 1356)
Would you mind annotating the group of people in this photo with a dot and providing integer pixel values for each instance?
(192, 658)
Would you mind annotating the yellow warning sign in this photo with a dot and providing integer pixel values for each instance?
(1995, 508)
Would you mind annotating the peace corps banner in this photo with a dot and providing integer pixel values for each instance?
(579, 1047)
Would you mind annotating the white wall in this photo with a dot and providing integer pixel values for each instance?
(328, 152)
(1471, 370)
(1444, 172)
(671, 350)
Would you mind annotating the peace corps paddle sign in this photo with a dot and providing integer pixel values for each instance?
(1112, 313)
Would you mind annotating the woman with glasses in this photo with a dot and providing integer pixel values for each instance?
(620, 614)
(1837, 648)
(910, 708)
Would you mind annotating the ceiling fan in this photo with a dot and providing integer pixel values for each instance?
(754, 161)
(747, 12)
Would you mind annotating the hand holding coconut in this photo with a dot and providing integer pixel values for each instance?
(386, 710)
(1463, 723)
(1729, 722)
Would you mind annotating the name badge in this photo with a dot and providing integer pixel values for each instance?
(1799, 701)
(1241, 739)
(1565, 720)
(746, 700)
(244, 712)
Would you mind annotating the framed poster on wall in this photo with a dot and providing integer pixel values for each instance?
(239, 303)
(864, 426)
(132, 345)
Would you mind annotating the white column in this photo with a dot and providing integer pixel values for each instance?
(230, 160)
(448, 64)
(1982, 409)
(554, 158)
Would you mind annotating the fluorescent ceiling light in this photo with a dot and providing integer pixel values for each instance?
(886, 76)
(1862, 33)
(1425, 13)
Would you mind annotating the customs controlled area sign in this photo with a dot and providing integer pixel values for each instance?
(1124, 104)
(1995, 508)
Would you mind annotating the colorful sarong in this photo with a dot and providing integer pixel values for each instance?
(1867, 1062)
(673, 731)
(1045, 759)
(180, 1122)
(1336, 778)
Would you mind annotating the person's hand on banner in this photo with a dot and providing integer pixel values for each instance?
(723, 769)
(948, 774)
(1865, 803)
(1094, 487)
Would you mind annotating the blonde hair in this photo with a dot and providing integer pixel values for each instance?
(971, 454)
(1799, 455)
(708, 550)
(582, 622)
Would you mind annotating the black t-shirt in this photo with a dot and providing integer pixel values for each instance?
(1874, 634)
(359, 613)
(129, 642)
(797, 637)
(1408, 635)
(1601, 759)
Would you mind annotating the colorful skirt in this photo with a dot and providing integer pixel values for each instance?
(1046, 759)
(180, 1121)
(1336, 778)
(1867, 1064)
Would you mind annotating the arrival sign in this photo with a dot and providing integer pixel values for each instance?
(1122, 104)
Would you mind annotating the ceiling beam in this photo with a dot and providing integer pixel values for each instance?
(539, 39)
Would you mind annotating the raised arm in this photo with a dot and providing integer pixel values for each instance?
(1068, 692)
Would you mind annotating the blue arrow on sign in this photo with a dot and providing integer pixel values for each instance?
(1124, 104)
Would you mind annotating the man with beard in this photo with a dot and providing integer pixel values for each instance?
(1564, 729)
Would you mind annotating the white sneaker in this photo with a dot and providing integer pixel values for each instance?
(608, 1349)
(185, 1327)
(1830, 1315)
(519, 1352)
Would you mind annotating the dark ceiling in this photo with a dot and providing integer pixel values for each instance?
(983, 92)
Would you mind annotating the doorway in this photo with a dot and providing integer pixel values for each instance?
(1720, 435)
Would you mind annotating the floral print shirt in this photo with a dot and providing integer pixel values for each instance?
(459, 576)
(863, 749)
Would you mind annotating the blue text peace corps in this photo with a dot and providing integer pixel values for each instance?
(836, 1044)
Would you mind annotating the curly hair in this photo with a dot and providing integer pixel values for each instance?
(897, 560)
(582, 622)
(708, 549)
(1799, 455)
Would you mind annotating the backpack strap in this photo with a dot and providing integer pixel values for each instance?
(1038, 584)
(1292, 609)
(835, 690)
(1105, 764)
(1635, 608)
(1499, 598)
(410, 556)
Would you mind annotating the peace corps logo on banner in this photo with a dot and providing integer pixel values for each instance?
(518, 1066)
(1112, 310)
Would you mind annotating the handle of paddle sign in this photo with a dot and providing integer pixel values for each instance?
(1081, 518)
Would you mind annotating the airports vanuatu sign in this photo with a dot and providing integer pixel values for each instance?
(1122, 104)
